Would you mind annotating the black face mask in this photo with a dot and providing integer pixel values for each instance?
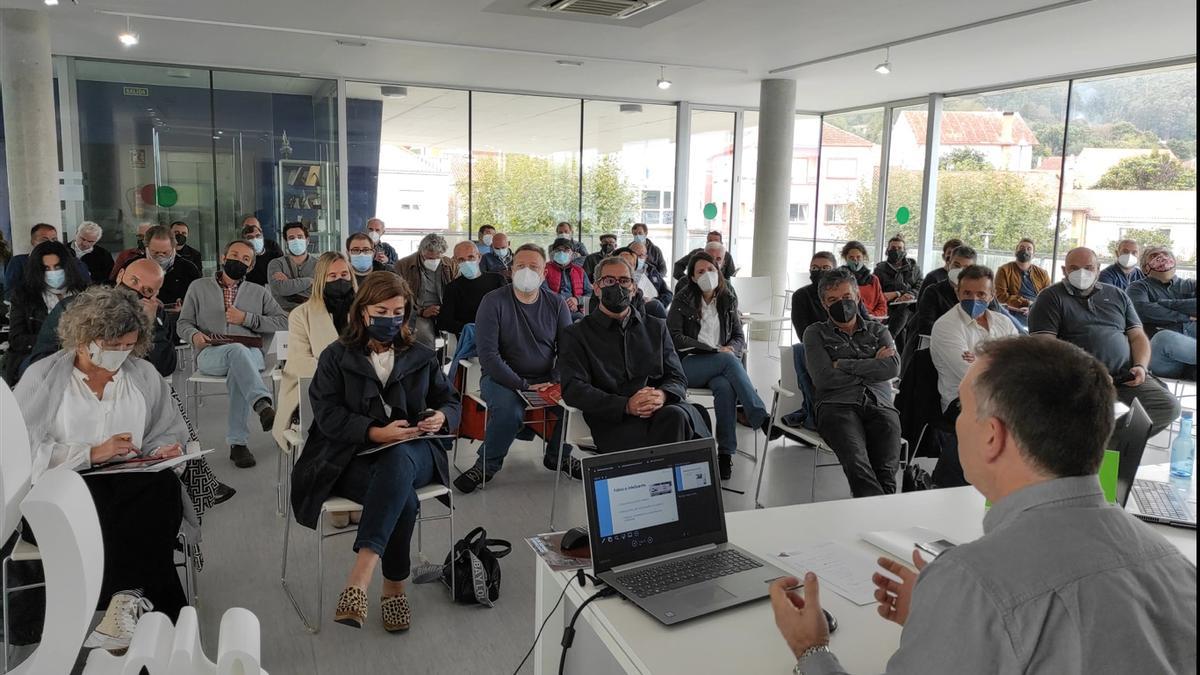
(385, 328)
(181, 239)
(235, 269)
(606, 249)
(614, 298)
(814, 276)
(895, 255)
(843, 311)
(141, 244)
(1024, 256)
(338, 294)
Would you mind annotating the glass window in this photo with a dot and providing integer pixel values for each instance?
(525, 164)
(710, 175)
(1130, 171)
(797, 213)
(998, 171)
(906, 171)
(628, 162)
(848, 206)
(408, 161)
(835, 214)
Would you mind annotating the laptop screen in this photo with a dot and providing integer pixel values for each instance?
(651, 502)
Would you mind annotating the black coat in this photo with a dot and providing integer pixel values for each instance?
(683, 321)
(25, 320)
(347, 400)
(98, 261)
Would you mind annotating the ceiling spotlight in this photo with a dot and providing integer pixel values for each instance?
(128, 38)
(885, 67)
(663, 82)
(51, 3)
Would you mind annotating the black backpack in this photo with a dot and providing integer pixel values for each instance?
(475, 564)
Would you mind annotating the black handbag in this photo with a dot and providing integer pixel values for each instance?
(475, 564)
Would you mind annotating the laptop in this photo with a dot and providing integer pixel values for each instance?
(1154, 501)
(657, 532)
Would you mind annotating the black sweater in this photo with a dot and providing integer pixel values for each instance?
(461, 300)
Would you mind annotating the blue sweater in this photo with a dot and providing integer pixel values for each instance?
(1114, 275)
(518, 343)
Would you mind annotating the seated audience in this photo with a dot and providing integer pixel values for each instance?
(180, 231)
(178, 273)
(649, 306)
(707, 331)
(463, 297)
(87, 249)
(563, 231)
(654, 255)
(1036, 416)
(14, 269)
(50, 276)
(942, 296)
(372, 389)
(952, 346)
(716, 250)
(1101, 320)
(1019, 282)
(517, 336)
(427, 271)
(312, 327)
(1166, 304)
(361, 254)
(90, 404)
(608, 244)
(1126, 269)
(266, 250)
(852, 364)
(939, 273)
(290, 277)
(620, 368)
(225, 319)
(500, 258)
(854, 254)
(384, 253)
(726, 266)
(899, 276)
(137, 251)
(484, 243)
(565, 277)
(649, 279)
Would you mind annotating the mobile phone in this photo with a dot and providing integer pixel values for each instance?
(426, 414)
(934, 548)
(1123, 378)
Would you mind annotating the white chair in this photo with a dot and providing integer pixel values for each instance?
(194, 391)
(472, 376)
(704, 397)
(294, 437)
(576, 433)
(160, 647)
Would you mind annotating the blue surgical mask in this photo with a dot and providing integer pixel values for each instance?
(640, 238)
(500, 252)
(297, 246)
(641, 265)
(562, 257)
(258, 244)
(469, 269)
(55, 279)
(973, 308)
(385, 328)
(361, 262)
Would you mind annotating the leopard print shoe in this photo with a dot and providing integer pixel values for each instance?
(397, 615)
(351, 607)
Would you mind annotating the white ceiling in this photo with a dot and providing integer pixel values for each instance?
(729, 46)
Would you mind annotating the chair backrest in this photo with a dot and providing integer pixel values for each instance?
(238, 644)
(306, 412)
(472, 374)
(15, 462)
(578, 431)
(281, 345)
(753, 294)
(787, 380)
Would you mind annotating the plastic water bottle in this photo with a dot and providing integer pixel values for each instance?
(1183, 450)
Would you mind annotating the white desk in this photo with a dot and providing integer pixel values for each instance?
(614, 636)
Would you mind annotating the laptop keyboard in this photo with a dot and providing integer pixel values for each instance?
(674, 574)
(1156, 498)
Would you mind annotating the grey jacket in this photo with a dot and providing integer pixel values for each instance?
(204, 311)
(857, 368)
(291, 293)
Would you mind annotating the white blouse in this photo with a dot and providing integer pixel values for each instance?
(710, 324)
(83, 421)
(382, 362)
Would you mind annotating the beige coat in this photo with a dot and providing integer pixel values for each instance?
(310, 331)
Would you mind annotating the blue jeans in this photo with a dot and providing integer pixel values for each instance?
(724, 374)
(464, 350)
(804, 380)
(505, 418)
(386, 483)
(241, 366)
(1171, 353)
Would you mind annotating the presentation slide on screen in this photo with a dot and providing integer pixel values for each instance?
(692, 476)
(636, 501)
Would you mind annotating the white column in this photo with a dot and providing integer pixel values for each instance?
(27, 86)
(776, 127)
(683, 148)
(927, 257)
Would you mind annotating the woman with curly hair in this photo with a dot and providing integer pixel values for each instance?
(96, 402)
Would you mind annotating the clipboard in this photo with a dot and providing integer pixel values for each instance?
(385, 446)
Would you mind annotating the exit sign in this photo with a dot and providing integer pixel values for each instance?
(136, 91)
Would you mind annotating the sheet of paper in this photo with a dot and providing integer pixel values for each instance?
(144, 467)
(900, 543)
(839, 566)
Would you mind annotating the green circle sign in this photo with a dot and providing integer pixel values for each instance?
(167, 196)
(710, 211)
(903, 214)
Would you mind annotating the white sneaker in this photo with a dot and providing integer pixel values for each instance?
(116, 628)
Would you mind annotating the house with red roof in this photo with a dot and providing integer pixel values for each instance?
(1003, 138)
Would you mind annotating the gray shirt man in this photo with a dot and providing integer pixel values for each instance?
(1060, 582)
(295, 290)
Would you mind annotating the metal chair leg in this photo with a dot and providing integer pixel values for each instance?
(4, 600)
(562, 444)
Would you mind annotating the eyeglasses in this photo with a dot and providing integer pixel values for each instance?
(360, 251)
(607, 281)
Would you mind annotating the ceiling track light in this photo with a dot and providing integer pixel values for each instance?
(663, 82)
(885, 67)
(51, 3)
(128, 38)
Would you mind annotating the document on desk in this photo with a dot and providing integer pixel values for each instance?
(839, 566)
(900, 543)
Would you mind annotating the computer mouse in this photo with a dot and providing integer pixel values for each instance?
(830, 620)
(574, 539)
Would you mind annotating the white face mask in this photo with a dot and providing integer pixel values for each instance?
(108, 359)
(80, 249)
(707, 281)
(374, 236)
(487, 239)
(526, 280)
(431, 265)
(1082, 279)
(1128, 260)
(953, 275)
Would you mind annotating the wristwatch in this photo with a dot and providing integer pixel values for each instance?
(817, 649)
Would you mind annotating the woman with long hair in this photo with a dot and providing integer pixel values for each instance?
(50, 275)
